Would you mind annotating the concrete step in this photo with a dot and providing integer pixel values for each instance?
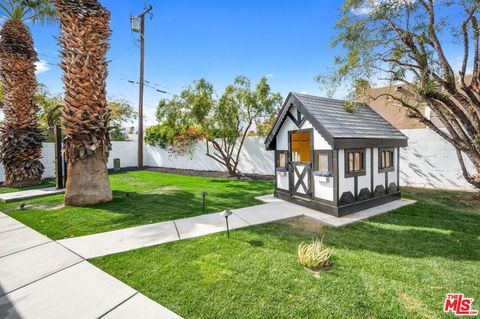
(29, 194)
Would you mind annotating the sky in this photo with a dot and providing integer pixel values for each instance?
(287, 41)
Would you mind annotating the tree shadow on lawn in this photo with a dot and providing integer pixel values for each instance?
(414, 231)
(174, 203)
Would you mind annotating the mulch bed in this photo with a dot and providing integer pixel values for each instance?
(192, 172)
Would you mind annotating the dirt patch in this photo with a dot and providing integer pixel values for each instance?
(43, 206)
(415, 305)
(304, 223)
(162, 189)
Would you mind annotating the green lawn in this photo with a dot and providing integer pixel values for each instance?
(45, 183)
(399, 265)
(140, 197)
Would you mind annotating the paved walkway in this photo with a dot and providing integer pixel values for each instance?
(40, 278)
(149, 235)
(33, 193)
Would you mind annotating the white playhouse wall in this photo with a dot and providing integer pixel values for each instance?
(324, 189)
(347, 184)
(379, 178)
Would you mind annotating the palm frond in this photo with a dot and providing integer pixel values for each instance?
(43, 11)
(38, 11)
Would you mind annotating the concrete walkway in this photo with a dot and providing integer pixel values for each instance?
(149, 235)
(39, 278)
(29, 194)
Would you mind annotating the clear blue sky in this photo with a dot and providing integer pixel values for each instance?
(286, 40)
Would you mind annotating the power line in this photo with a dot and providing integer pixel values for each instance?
(150, 86)
(121, 53)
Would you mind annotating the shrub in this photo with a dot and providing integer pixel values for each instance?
(314, 256)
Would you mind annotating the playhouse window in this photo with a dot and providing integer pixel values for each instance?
(281, 159)
(385, 160)
(323, 161)
(354, 163)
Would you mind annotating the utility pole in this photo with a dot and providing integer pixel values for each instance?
(140, 19)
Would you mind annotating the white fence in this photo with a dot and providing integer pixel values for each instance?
(428, 161)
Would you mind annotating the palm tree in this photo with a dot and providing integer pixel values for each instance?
(21, 137)
(85, 32)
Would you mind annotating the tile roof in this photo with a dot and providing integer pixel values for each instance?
(341, 129)
(363, 122)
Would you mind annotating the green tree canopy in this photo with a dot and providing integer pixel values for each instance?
(223, 122)
(406, 42)
(121, 114)
(40, 11)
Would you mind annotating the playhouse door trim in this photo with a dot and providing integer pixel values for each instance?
(304, 178)
(304, 175)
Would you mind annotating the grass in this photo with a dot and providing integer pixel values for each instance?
(140, 197)
(45, 183)
(398, 265)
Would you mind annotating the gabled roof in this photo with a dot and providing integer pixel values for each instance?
(361, 128)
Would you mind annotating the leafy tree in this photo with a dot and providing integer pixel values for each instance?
(223, 122)
(405, 41)
(21, 137)
(263, 126)
(121, 113)
(49, 111)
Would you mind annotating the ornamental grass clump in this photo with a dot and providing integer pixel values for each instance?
(314, 256)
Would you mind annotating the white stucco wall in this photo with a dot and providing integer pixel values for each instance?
(344, 184)
(323, 189)
(282, 180)
(392, 176)
(378, 178)
(254, 158)
(428, 161)
(365, 181)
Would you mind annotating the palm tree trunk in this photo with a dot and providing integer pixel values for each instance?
(21, 137)
(84, 37)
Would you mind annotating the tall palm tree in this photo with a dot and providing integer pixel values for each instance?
(21, 137)
(85, 32)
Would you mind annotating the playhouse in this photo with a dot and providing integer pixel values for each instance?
(333, 160)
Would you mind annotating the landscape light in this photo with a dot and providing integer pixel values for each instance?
(225, 214)
(203, 199)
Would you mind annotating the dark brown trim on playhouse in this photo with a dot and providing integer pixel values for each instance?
(361, 172)
(389, 168)
(315, 162)
(292, 168)
(338, 211)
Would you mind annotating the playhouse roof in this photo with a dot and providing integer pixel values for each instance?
(341, 129)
